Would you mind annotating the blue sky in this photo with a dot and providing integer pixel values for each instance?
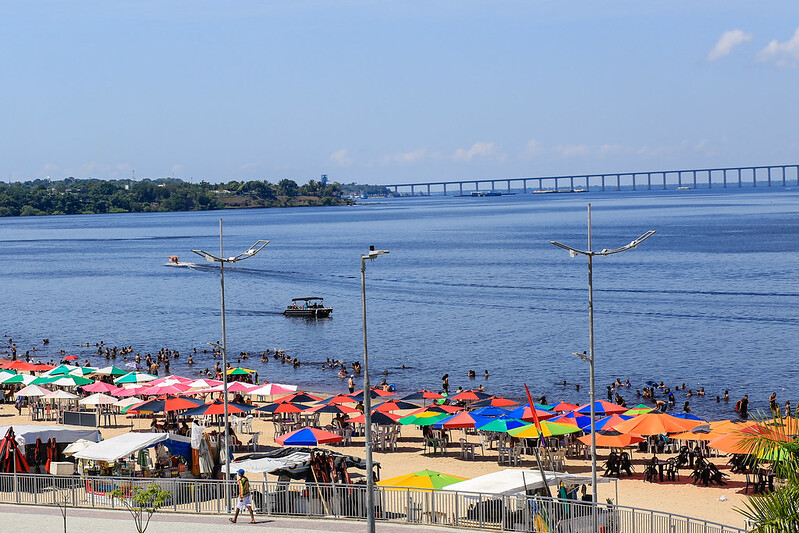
(382, 92)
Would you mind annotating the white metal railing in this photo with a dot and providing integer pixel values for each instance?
(456, 509)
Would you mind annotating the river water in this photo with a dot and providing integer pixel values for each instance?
(471, 283)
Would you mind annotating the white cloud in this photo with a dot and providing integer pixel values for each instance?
(406, 157)
(782, 54)
(728, 40)
(481, 149)
(341, 158)
(571, 150)
(533, 147)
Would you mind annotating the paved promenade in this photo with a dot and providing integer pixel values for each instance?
(39, 519)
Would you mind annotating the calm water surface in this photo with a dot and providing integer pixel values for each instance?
(471, 283)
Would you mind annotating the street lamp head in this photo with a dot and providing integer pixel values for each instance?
(372, 255)
(208, 257)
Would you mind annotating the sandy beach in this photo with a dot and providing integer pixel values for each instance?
(678, 497)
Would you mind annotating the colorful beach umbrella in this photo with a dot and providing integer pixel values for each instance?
(338, 399)
(461, 420)
(135, 377)
(601, 407)
(20, 379)
(564, 407)
(217, 407)
(376, 393)
(395, 405)
(60, 370)
(490, 411)
(424, 479)
(422, 419)
(381, 419)
(523, 413)
(574, 419)
(99, 386)
(639, 409)
(238, 371)
(307, 437)
(495, 401)
(470, 395)
(204, 383)
(71, 381)
(167, 403)
(611, 439)
(270, 389)
(549, 429)
(298, 397)
(655, 423)
(240, 386)
(98, 398)
(82, 371)
(284, 407)
(110, 371)
(423, 394)
(33, 390)
(330, 408)
(609, 422)
(502, 424)
(69, 358)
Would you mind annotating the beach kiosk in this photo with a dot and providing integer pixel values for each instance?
(129, 455)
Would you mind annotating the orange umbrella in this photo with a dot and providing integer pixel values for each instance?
(733, 442)
(611, 439)
(701, 432)
(656, 423)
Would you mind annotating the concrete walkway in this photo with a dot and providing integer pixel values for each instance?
(39, 519)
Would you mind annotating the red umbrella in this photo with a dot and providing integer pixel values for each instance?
(299, 397)
(460, 421)
(99, 386)
(166, 403)
(495, 401)
(563, 407)
(330, 408)
(307, 437)
(449, 409)
(423, 394)
(472, 395)
(381, 419)
(52, 453)
(23, 366)
(10, 452)
(394, 405)
(284, 407)
(217, 407)
(339, 399)
(69, 358)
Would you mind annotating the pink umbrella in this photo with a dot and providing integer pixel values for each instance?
(273, 388)
(99, 386)
(157, 390)
(169, 380)
(204, 383)
(240, 386)
(123, 392)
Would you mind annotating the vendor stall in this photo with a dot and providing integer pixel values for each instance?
(120, 456)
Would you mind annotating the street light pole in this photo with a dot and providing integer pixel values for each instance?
(251, 251)
(574, 252)
(367, 399)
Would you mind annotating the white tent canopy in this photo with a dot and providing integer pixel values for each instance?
(270, 464)
(516, 480)
(125, 445)
(28, 434)
(98, 398)
(33, 390)
(58, 395)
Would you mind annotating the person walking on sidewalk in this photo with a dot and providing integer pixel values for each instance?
(244, 498)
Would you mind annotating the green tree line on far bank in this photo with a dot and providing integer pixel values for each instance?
(89, 196)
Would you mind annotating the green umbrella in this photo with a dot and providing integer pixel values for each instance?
(503, 425)
(135, 377)
(550, 429)
(639, 409)
(82, 371)
(110, 371)
(44, 380)
(238, 371)
(19, 379)
(61, 370)
(71, 381)
(425, 479)
(416, 420)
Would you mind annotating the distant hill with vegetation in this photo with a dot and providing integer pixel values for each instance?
(89, 196)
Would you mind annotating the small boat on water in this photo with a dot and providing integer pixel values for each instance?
(174, 261)
(312, 306)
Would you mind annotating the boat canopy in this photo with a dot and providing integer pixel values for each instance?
(306, 299)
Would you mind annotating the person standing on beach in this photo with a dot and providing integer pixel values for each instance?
(244, 498)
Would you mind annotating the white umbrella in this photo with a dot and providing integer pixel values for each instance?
(77, 446)
(204, 383)
(58, 395)
(130, 400)
(82, 371)
(99, 399)
(33, 390)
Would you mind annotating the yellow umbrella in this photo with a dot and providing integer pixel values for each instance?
(424, 479)
(550, 429)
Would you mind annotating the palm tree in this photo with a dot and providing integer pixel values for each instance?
(778, 511)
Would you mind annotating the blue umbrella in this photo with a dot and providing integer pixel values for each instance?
(490, 411)
(307, 437)
(687, 416)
